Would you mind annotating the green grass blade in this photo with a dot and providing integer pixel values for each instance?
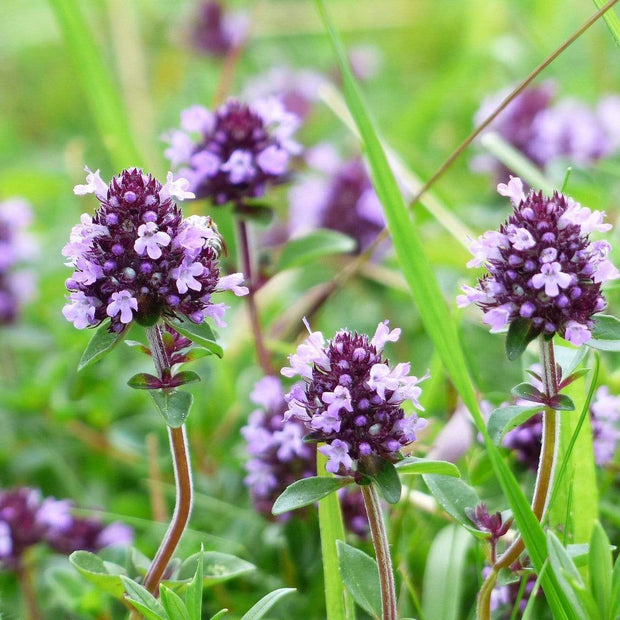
(99, 87)
(339, 605)
(611, 19)
(436, 318)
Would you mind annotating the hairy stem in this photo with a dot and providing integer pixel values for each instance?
(248, 270)
(182, 476)
(27, 587)
(382, 551)
(544, 475)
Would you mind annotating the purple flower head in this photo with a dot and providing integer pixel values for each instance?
(298, 89)
(485, 522)
(341, 198)
(137, 259)
(233, 154)
(20, 525)
(278, 455)
(216, 31)
(542, 266)
(88, 534)
(352, 397)
(16, 247)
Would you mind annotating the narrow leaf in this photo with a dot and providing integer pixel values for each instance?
(173, 604)
(307, 491)
(101, 93)
(313, 246)
(143, 600)
(601, 570)
(339, 604)
(615, 590)
(220, 614)
(174, 406)
(414, 465)
(520, 333)
(612, 21)
(360, 576)
(266, 603)
(102, 342)
(201, 334)
(505, 419)
(193, 594)
(445, 574)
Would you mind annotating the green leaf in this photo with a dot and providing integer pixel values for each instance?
(200, 334)
(220, 614)
(173, 405)
(415, 465)
(144, 381)
(437, 321)
(173, 604)
(605, 333)
(454, 496)
(601, 570)
(193, 594)
(384, 475)
(615, 590)
(100, 344)
(339, 605)
(100, 90)
(445, 574)
(505, 419)
(313, 246)
(105, 575)
(307, 491)
(520, 333)
(185, 377)
(612, 21)
(562, 402)
(360, 576)
(266, 603)
(527, 391)
(143, 600)
(216, 568)
(568, 576)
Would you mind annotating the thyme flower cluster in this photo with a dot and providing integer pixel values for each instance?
(27, 518)
(542, 266)
(138, 259)
(351, 397)
(233, 154)
(16, 246)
